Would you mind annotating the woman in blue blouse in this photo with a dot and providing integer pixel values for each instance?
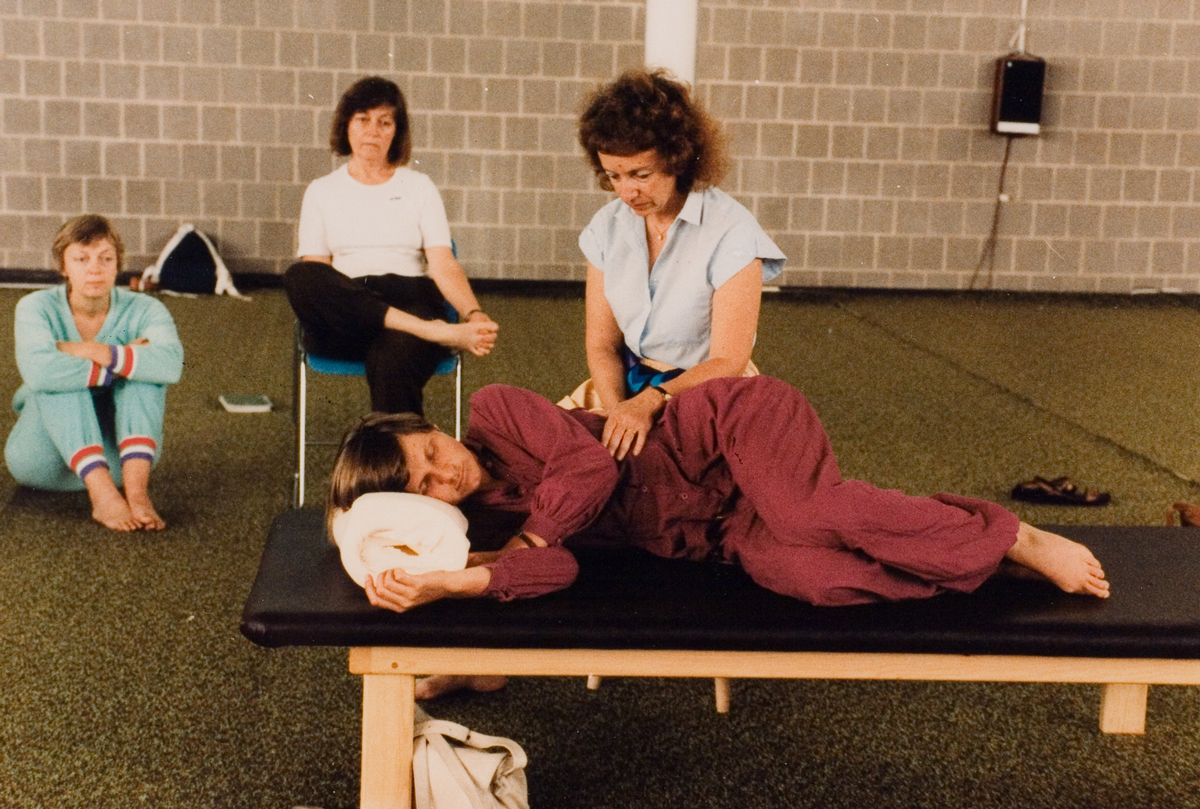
(675, 265)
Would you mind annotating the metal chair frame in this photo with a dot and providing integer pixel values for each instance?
(304, 361)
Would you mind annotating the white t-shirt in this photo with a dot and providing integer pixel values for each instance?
(373, 229)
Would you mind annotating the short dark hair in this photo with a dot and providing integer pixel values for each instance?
(647, 109)
(85, 229)
(368, 94)
(370, 458)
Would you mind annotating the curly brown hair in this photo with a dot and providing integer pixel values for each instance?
(647, 109)
(365, 95)
(84, 230)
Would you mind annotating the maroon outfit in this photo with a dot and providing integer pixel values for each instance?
(749, 452)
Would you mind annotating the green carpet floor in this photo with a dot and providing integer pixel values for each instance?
(124, 681)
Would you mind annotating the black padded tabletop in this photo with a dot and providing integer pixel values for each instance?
(631, 600)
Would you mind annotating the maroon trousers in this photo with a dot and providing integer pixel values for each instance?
(798, 528)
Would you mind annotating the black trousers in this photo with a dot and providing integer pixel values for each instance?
(342, 318)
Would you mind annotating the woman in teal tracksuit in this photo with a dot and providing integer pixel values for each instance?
(95, 361)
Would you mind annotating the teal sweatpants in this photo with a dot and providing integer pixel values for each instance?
(61, 437)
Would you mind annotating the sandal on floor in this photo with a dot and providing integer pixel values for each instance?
(1058, 492)
(1187, 514)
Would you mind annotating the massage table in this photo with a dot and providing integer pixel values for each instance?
(632, 614)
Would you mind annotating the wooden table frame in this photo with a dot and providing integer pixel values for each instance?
(1008, 631)
(389, 677)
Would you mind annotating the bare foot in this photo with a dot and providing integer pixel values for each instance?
(1065, 562)
(144, 513)
(438, 685)
(478, 337)
(136, 472)
(109, 507)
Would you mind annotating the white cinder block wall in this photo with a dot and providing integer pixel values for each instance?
(859, 128)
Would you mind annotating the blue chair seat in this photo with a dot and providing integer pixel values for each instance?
(333, 367)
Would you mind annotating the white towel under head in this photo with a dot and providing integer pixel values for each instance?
(382, 531)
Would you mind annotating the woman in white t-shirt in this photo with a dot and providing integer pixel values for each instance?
(377, 265)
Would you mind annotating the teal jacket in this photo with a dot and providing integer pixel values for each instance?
(44, 317)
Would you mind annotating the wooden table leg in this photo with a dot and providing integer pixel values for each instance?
(721, 688)
(387, 741)
(1123, 708)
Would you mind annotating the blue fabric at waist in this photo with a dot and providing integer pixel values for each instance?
(639, 376)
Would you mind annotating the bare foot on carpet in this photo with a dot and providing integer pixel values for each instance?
(438, 685)
(144, 513)
(114, 513)
(136, 472)
(1064, 562)
(109, 507)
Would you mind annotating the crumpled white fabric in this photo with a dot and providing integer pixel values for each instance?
(382, 531)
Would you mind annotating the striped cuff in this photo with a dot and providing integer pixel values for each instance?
(138, 446)
(87, 459)
(123, 360)
(99, 376)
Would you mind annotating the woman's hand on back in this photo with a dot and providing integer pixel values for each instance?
(629, 423)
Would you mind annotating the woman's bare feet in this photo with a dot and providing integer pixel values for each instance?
(144, 513)
(438, 685)
(109, 507)
(136, 474)
(1064, 562)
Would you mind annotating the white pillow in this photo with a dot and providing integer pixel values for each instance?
(386, 530)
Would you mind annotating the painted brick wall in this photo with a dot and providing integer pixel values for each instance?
(863, 141)
(859, 128)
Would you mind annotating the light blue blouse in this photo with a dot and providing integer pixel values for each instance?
(666, 315)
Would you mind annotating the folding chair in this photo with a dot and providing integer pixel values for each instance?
(306, 361)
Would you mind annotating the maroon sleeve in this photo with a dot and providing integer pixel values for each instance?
(530, 572)
(570, 473)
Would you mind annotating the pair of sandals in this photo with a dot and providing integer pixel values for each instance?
(1058, 492)
(1062, 492)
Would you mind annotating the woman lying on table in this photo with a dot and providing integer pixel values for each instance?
(736, 468)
